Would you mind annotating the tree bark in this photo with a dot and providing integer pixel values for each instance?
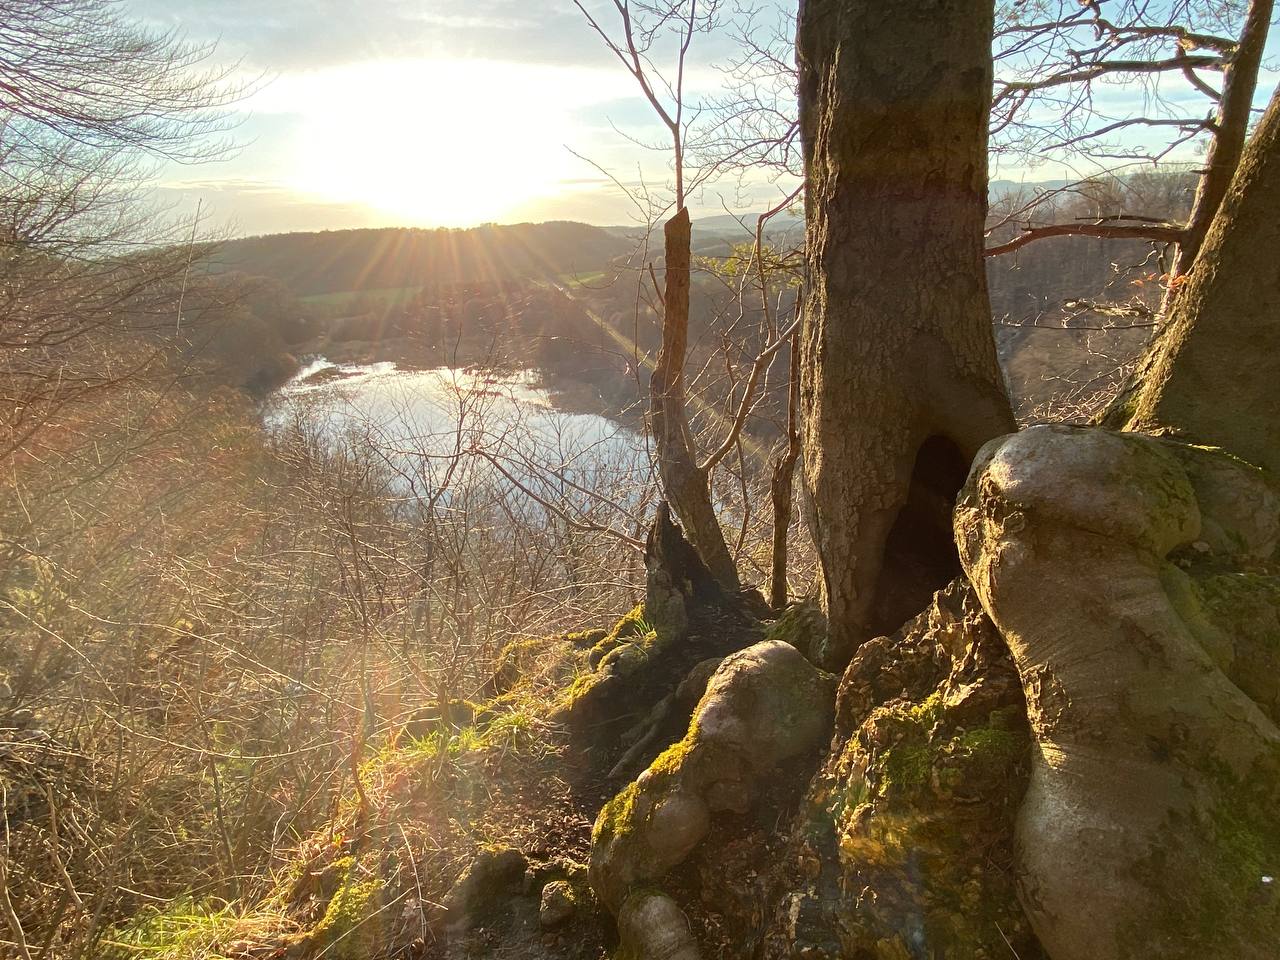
(781, 484)
(687, 486)
(1213, 373)
(1239, 83)
(897, 339)
(1147, 829)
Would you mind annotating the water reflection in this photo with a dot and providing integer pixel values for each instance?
(422, 420)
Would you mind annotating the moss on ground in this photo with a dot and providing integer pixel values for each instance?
(586, 638)
(623, 652)
(537, 666)
(349, 929)
(631, 624)
(619, 817)
(917, 802)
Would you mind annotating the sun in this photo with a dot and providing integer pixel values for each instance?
(434, 143)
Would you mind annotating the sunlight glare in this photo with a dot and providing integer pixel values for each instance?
(454, 143)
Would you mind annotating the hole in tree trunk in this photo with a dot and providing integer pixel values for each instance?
(920, 554)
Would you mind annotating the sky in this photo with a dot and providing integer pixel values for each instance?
(424, 113)
(450, 113)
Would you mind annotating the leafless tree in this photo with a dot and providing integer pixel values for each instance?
(640, 30)
(640, 33)
(1054, 62)
(89, 102)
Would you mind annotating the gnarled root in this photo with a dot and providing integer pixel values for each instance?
(1148, 829)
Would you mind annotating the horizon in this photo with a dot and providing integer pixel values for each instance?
(348, 129)
(457, 115)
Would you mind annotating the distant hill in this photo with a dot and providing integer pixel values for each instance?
(334, 261)
(787, 225)
(999, 189)
(714, 236)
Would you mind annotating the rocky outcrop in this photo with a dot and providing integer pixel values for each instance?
(1133, 582)
(903, 845)
(762, 706)
(505, 907)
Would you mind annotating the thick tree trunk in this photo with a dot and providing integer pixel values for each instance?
(1212, 374)
(1148, 828)
(897, 341)
(687, 486)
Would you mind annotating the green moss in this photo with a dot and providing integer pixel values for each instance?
(632, 624)
(1229, 853)
(348, 930)
(580, 687)
(617, 818)
(1246, 847)
(922, 799)
(926, 713)
(906, 768)
(630, 654)
(586, 638)
(802, 625)
(515, 651)
(669, 762)
(917, 759)
(989, 751)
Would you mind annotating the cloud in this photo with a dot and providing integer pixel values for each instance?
(299, 34)
(419, 111)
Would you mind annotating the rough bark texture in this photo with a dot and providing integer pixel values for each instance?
(897, 341)
(1134, 582)
(1238, 86)
(781, 487)
(686, 485)
(1213, 374)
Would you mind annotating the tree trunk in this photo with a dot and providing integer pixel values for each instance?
(687, 486)
(897, 343)
(1238, 86)
(781, 484)
(1211, 375)
(1148, 827)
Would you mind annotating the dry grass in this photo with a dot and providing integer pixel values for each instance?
(212, 642)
